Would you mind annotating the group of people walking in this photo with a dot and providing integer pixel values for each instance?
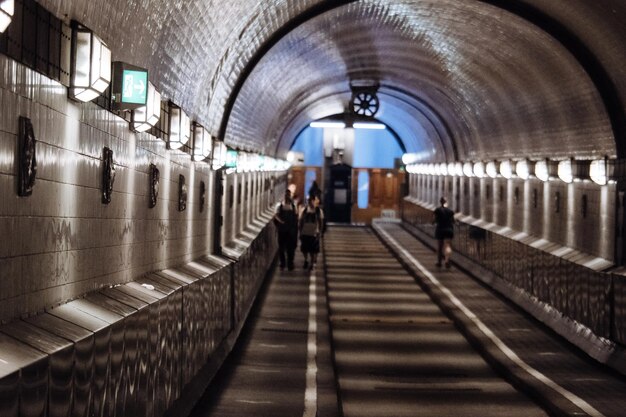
(293, 221)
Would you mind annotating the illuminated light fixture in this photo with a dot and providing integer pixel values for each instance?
(506, 169)
(291, 156)
(491, 169)
(479, 169)
(91, 65)
(542, 171)
(458, 169)
(146, 117)
(451, 168)
(369, 125)
(522, 169)
(242, 162)
(468, 169)
(565, 171)
(218, 159)
(202, 143)
(7, 9)
(180, 127)
(443, 168)
(432, 170)
(335, 125)
(599, 171)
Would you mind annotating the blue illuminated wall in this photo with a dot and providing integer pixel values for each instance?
(373, 148)
(311, 143)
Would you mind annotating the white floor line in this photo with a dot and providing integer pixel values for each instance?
(576, 400)
(310, 395)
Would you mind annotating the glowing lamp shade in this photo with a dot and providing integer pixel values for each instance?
(180, 127)
(565, 171)
(522, 169)
(468, 169)
(479, 169)
(242, 162)
(541, 170)
(443, 169)
(7, 8)
(219, 155)
(144, 118)
(598, 171)
(91, 65)
(506, 169)
(202, 143)
(491, 170)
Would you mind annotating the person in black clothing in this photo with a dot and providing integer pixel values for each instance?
(286, 220)
(444, 232)
(316, 193)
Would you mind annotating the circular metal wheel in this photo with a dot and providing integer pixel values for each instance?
(365, 103)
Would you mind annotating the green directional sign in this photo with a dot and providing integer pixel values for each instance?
(129, 87)
(134, 86)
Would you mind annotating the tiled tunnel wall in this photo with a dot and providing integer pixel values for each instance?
(62, 241)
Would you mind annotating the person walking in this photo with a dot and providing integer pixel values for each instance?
(311, 227)
(286, 220)
(443, 217)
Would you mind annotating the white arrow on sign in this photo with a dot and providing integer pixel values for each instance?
(140, 87)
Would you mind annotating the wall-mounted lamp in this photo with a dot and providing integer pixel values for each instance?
(468, 169)
(91, 65)
(602, 171)
(479, 169)
(242, 162)
(146, 117)
(491, 170)
(443, 169)
(202, 143)
(180, 127)
(7, 8)
(524, 169)
(506, 169)
(218, 159)
(565, 171)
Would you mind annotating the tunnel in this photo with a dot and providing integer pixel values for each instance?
(144, 146)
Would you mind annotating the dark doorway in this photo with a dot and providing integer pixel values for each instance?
(338, 201)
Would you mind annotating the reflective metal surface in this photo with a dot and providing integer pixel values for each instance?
(84, 352)
(60, 367)
(23, 379)
(130, 349)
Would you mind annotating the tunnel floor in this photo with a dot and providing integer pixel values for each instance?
(393, 348)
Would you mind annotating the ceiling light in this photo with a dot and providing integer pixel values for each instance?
(369, 125)
(335, 125)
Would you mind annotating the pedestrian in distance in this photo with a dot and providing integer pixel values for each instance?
(286, 220)
(443, 217)
(311, 227)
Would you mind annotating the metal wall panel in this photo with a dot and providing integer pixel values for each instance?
(26, 372)
(83, 368)
(100, 377)
(61, 363)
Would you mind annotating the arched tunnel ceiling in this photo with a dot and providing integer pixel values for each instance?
(489, 83)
